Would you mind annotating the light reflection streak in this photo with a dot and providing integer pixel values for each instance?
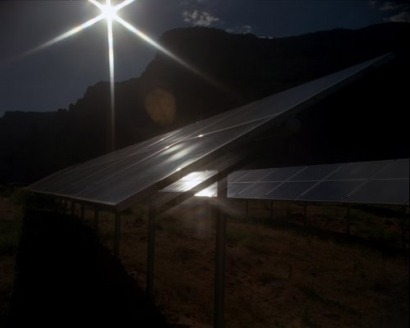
(193, 179)
(109, 13)
(147, 39)
(123, 4)
(165, 51)
(111, 67)
(65, 35)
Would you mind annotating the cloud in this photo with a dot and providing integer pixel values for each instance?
(399, 10)
(403, 17)
(199, 17)
(389, 5)
(244, 29)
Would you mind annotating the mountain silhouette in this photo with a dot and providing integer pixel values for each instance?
(366, 120)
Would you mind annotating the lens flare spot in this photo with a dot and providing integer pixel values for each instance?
(160, 106)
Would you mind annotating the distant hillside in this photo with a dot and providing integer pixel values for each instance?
(236, 69)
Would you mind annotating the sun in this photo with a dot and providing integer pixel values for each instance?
(109, 13)
(108, 10)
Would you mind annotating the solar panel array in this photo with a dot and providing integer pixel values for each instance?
(119, 177)
(375, 182)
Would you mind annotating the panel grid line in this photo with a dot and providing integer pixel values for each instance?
(321, 180)
(140, 170)
(365, 182)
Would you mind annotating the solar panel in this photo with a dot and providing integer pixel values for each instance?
(290, 190)
(316, 172)
(395, 170)
(234, 189)
(284, 174)
(248, 176)
(382, 192)
(192, 180)
(378, 182)
(119, 177)
(257, 189)
(330, 191)
(375, 182)
(361, 171)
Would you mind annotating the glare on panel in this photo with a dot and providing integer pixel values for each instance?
(121, 176)
(191, 180)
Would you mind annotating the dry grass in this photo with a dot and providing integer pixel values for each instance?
(274, 277)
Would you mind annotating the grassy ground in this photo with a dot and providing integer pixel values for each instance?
(276, 276)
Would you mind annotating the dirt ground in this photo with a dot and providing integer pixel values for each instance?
(276, 275)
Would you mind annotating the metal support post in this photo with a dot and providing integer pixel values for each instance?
(151, 251)
(117, 234)
(219, 294)
(403, 227)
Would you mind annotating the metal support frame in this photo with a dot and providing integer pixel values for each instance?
(219, 292)
(403, 227)
(151, 251)
(117, 234)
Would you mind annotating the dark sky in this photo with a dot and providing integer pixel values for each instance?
(58, 75)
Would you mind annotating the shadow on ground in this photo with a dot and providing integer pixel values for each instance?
(64, 277)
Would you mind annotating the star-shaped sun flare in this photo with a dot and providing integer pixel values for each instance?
(109, 13)
(108, 10)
